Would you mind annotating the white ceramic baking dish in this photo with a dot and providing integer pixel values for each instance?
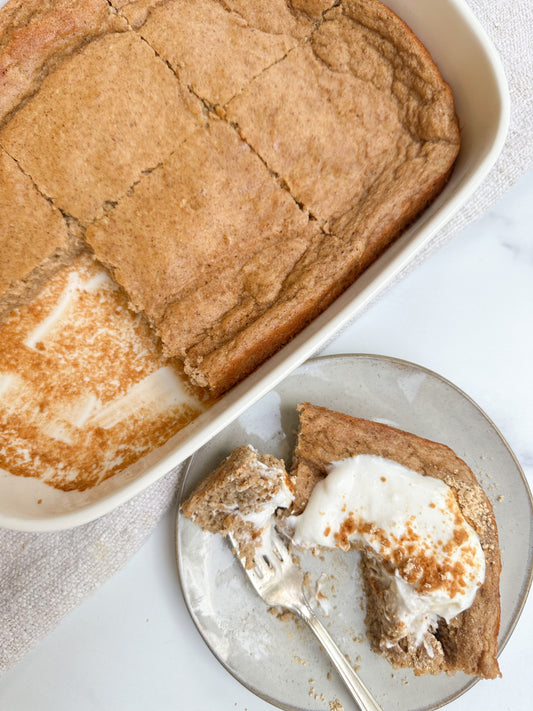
(471, 65)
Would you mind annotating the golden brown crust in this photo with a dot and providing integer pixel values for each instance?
(366, 181)
(219, 240)
(276, 17)
(354, 102)
(469, 641)
(242, 41)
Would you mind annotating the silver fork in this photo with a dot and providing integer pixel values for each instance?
(280, 583)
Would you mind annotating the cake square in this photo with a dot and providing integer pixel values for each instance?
(357, 100)
(239, 499)
(215, 237)
(467, 642)
(105, 115)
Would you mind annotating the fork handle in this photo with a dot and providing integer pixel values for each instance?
(360, 693)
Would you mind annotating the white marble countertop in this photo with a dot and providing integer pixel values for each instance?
(466, 313)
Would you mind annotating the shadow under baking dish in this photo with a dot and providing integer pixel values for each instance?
(279, 660)
(474, 71)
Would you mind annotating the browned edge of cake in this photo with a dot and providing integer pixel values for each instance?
(22, 291)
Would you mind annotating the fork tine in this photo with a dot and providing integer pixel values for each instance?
(263, 565)
(279, 546)
(263, 568)
(275, 551)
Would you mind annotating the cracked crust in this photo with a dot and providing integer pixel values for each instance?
(469, 642)
(213, 48)
(277, 17)
(362, 100)
(239, 164)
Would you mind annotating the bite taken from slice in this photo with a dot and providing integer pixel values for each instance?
(240, 497)
(430, 557)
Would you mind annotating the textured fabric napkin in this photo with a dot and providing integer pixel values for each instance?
(45, 575)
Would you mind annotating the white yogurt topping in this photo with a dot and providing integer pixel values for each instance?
(430, 559)
(281, 498)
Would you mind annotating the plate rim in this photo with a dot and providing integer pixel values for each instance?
(389, 360)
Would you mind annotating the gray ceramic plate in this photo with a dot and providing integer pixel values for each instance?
(280, 660)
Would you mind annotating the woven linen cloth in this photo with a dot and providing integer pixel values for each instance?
(43, 576)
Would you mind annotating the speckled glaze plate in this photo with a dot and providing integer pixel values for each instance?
(279, 659)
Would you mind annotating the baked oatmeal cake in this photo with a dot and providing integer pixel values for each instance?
(234, 165)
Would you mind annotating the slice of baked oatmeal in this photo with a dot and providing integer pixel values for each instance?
(215, 236)
(240, 497)
(466, 641)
